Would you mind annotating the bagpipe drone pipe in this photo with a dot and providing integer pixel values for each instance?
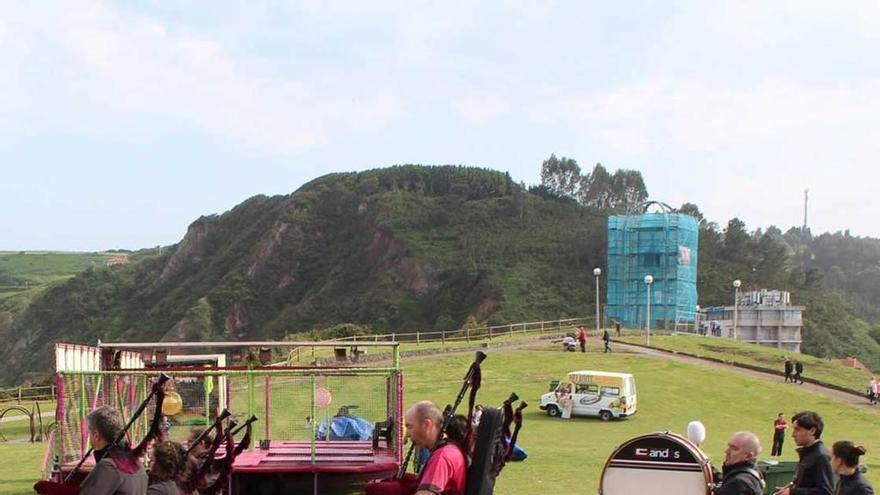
(222, 466)
(493, 444)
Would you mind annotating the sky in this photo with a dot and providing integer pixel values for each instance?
(123, 122)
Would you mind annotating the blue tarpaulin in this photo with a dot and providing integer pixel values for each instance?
(346, 428)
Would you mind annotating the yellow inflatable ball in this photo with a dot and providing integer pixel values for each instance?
(172, 404)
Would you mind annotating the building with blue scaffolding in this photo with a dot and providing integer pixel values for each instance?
(662, 244)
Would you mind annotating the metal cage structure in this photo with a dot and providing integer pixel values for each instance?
(296, 448)
(661, 244)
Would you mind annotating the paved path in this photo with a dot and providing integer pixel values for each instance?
(829, 392)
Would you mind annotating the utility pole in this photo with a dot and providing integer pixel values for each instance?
(806, 197)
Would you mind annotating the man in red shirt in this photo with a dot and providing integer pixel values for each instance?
(582, 338)
(446, 469)
(779, 427)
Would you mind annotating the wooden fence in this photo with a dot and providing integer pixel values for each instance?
(26, 394)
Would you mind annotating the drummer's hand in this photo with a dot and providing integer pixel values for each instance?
(785, 490)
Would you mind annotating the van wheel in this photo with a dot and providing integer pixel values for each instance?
(605, 415)
(553, 411)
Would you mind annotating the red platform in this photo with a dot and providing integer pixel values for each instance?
(289, 467)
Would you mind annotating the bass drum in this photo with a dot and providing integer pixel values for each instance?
(661, 463)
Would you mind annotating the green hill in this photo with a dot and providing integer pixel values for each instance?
(399, 249)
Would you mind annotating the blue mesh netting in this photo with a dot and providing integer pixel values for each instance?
(663, 245)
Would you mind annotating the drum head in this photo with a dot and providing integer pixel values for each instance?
(657, 464)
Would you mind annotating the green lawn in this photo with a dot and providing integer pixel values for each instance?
(566, 456)
(40, 268)
(46, 266)
(751, 354)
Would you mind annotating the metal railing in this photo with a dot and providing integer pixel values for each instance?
(474, 334)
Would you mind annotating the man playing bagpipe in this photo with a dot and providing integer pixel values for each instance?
(118, 469)
(446, 470)
(452, 439)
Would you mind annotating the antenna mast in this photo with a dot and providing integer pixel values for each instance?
(806, 197)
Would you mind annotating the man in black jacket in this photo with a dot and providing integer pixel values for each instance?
(789, 369)
(740, 475)
(813, 475)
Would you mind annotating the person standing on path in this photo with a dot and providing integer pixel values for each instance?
(607, 338)
(874, 390)
(582, 339)
(617, 327)
(779, 427)
(789, 369)
(799, 372)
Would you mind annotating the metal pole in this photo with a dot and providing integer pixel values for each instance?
(597, 303)
(648, 319)
(735, 305)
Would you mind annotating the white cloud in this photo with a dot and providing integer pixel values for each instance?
(103, 70)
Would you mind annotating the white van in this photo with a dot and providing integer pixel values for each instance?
(592, 393)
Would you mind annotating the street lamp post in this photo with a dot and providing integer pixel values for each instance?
(597, 271)
(736, 285)
(648, 281)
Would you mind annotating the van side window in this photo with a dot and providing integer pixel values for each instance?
(610, 391)
(585, 388)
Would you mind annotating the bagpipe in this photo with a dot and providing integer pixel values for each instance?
(219, 466)
(116, 448)
(490, 448)
(493, 445)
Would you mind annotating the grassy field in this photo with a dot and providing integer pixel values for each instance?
(48, 266)
(566, 456)
(737, 352)
(39, 268)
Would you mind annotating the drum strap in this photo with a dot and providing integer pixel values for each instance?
(757, 475)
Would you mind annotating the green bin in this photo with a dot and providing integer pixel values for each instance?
(776, 473)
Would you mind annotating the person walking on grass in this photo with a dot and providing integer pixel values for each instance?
(799, 372)
(779, 427)
(606, 337)
(789, 369)
(582, 338)
(874, 390)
